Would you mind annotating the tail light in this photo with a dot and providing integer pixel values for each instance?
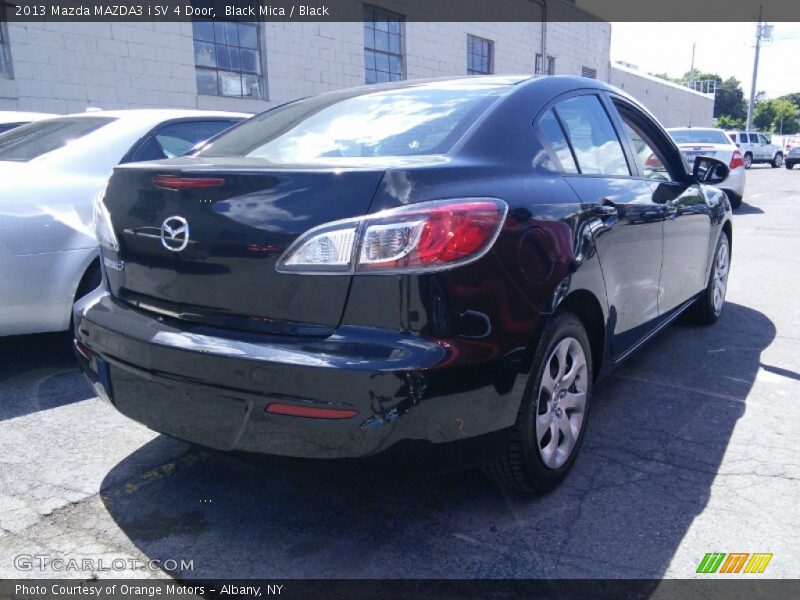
(736, 160)
(175, 182)
(421, 237)
(653, 162)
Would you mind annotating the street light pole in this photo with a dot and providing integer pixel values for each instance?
(755, 73)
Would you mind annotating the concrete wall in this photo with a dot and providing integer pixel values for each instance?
(67, 67)
(674, 105)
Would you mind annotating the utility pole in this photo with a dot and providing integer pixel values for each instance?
(691, 71)
(755, 72)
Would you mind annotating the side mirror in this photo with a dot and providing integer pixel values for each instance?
(709, 170)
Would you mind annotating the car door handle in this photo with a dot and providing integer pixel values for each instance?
(604, 210)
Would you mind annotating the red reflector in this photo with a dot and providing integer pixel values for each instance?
(293, 410)
(84, 350)
(736, 160)
(173, 182)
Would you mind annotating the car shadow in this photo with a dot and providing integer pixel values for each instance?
(748, 209)
(658, 432)
(38, 372)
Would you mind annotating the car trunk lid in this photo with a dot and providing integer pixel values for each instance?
(239, 222)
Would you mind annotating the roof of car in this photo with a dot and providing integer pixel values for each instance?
(16, 116)
(158, 113)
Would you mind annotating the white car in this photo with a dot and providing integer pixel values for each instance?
(51, 172)
(11, 119)
(699, 141)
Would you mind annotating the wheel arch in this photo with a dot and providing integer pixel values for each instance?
(585, 305)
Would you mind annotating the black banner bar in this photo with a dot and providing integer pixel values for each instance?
(412, 10)
(730, 588)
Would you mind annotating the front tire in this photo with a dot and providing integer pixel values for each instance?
(708, 307)
(777, 161)
(552, 418)
(789, 165)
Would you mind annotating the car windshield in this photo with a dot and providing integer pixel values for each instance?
(36, 139)
(699, 136)
(408, 121)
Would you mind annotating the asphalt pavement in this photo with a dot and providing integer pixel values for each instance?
(692, 447)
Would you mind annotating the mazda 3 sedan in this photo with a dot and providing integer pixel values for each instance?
(412, 263)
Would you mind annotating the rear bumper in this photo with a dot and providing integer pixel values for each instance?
(735, 182)
(212, 388)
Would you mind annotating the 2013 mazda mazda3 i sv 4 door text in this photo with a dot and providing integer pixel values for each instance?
(418, 262)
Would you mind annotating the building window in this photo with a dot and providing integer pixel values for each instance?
(227, 58)
(551, 65)
(383, 46)
(5, 65)
(480, 55)
(589, 72)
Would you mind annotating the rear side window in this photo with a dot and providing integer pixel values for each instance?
(36, 139)
(753, 138)
(733, 137)
(592, 136)
(743, 138)
(557, 141)
(177, 139)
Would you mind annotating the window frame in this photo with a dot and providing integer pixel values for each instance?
(484, 43)
(655, 135)
(400, 55)
(259, 50)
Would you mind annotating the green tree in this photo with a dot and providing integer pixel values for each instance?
(764, 115)
(785, 117)
(727, 122)
(775, 116)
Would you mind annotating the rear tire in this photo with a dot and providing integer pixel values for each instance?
(734, 198)
(748, 160)
(707, 309)
(789, 165)
(777, 161)
(552, 418)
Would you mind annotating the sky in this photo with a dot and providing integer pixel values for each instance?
(724, 48)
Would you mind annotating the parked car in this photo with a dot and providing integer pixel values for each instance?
(416, 262)
(51, 171)
(757, 148)
(700, 141)
(10, 119)
(793, 157)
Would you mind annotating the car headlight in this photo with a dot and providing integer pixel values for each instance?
(103, 229)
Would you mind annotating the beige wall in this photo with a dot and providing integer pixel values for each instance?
(674, 105)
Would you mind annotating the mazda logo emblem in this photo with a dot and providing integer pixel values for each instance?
(175, 233)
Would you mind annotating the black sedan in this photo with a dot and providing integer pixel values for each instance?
(420, 263)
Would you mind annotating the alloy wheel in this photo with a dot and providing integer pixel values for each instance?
(721, 264)
(561, 402)
(779, 160)
(748, 161)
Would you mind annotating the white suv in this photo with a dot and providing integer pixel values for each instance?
(757, 148)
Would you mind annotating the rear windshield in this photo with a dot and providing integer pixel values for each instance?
(699, 136)
(35, 139)
(410, 121)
